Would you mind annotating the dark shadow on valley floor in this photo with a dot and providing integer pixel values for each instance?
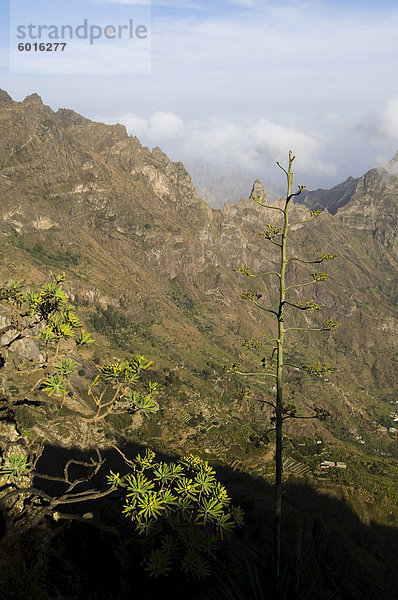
(326, 547)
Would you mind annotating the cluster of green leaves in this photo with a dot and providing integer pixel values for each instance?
(322, 414)
(144, 403)
(50, 308)
(309, 305)
(48, 316)
(185, 504)
(13, 292)
(242, 393)
(253, 296)
(325, 256)
(319, 276)
(231, 367)
(318, 369)
(271, 231)
(15, 466)
(331, 325)
(243, 271)
(57, 383)
(127, 371)
(269, 361)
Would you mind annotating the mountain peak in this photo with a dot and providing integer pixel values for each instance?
(33, 99)
(5, 98)
(69, 117)
(258, 190)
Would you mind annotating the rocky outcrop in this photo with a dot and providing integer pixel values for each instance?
(13, 349)
(374, 206)
(258, 191)
(366, 203)
(330, 200)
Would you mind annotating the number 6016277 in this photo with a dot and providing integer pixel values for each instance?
(42, 47)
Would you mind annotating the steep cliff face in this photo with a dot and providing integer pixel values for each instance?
(374, 205)
(90, 169)
(332, 199)
(366, 203)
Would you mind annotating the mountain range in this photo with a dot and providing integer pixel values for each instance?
(149, 265)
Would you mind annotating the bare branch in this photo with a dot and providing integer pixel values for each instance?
(269, 403)
(308, 306)
(90, 521)
(267, 273)
(254, 297)
(269, 431)
(304, 221)
(283, 168)
(300, 417)
(83, 496)
(322, 258)
(126, 460)
(307, 262)
(23, 491)
(291, 287)
(271, 273)
(267, 205)
(48, 477)
(300, 189)
(273, 242)
(269, 310)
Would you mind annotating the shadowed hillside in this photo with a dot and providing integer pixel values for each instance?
(326, 544)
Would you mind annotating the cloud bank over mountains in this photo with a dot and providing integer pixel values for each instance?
(240, 82)
(249, 144)
(230, 141)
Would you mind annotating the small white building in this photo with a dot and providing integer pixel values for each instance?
(326, 464)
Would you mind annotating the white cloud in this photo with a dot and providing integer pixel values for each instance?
(382, 125)
(135, 125)
(253, 143)
(165, 125)
(219, 139)
(273, 141)
(161, 125)
(243, 143)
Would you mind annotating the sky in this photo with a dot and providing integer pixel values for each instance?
(234, 84)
